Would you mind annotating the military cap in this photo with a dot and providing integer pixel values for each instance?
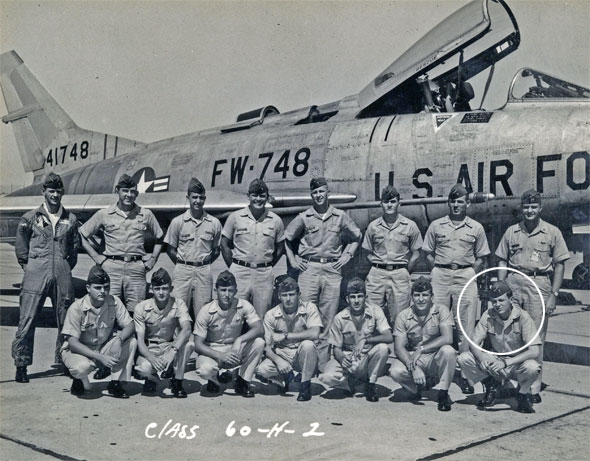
(457, 191)
(288, 284)
(421, 284)
(531, 196)
(161, 277)
(98, 275)
(196, 186)
(389, 193)
(355, 285)
(226, 279)
(258, 186)
(317, 182)
(499, 288)
(53, 181)
(126, 182)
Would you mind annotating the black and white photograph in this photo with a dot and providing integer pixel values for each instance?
(287, 230)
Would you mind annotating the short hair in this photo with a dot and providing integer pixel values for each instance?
(98, 276)
(531, 196)
(457, 191)
(421, 284)
(389, 193)
(196, 186)
(161, 277)
(355, 285)
(125, 182)
(53, 181)
(314, 183)
(498, 289)
(258, 186)
(288, 284)
(225, 279)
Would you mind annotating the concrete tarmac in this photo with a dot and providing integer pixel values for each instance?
(42, 420)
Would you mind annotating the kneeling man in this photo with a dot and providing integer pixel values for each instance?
(508, 328)
(423, 336)
(218, 338)
(98, 332)
(289, 332)
(359, 336)
(156, 321)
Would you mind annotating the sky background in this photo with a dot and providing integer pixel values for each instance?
(151, 70)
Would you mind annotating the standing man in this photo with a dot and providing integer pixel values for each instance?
(124, 225)
(456, 246)
(47, 249)
(508, 328)
(98, 330)
(327, 239)
(393, 242)
(423, 337)
(156, 322)
(252, 243)
(289, 332)
(218, 338)
(359, 336)
(537, 249)
(193, 240)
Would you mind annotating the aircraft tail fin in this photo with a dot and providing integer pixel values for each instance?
(47, 138)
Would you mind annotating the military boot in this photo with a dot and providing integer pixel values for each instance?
(525, 403)
(370, 394)
(304, 391)
(177, 389)
(492, 389)
(21, 375)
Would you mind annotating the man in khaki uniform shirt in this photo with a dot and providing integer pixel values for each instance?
(393, 244)
(218, 338)
(252, 243)
(359, 335)
(156, 322)
(455, 246)
(91, 331)
(124, 225)
(193, 244)
(327, 238)
(537, 249)
(289, 332)
(423, 336)
(508, 328)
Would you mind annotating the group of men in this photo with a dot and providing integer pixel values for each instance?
(304, 332)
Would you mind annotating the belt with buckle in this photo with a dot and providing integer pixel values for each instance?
(322, 260)
(453, 266)
(533, 273)
(195, 264)
(239, 262)
(389, 267)
(127, 259)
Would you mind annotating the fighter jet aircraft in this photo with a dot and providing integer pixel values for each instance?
(414, 126)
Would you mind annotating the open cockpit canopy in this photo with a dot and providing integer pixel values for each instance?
(433, 73)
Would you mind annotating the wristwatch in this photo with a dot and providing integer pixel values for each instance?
(556, 293)
(175, 348)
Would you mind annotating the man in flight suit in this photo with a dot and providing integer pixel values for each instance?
(47, 249)
(359, 335)
(455, 246)
(537, 249)
(98, 330)
(289, 332)
(218, 338)
(508, 328)
(321, 232)
(252, 243)
(423, 336)
(393, 244)
(156, 322)
(124, 225)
